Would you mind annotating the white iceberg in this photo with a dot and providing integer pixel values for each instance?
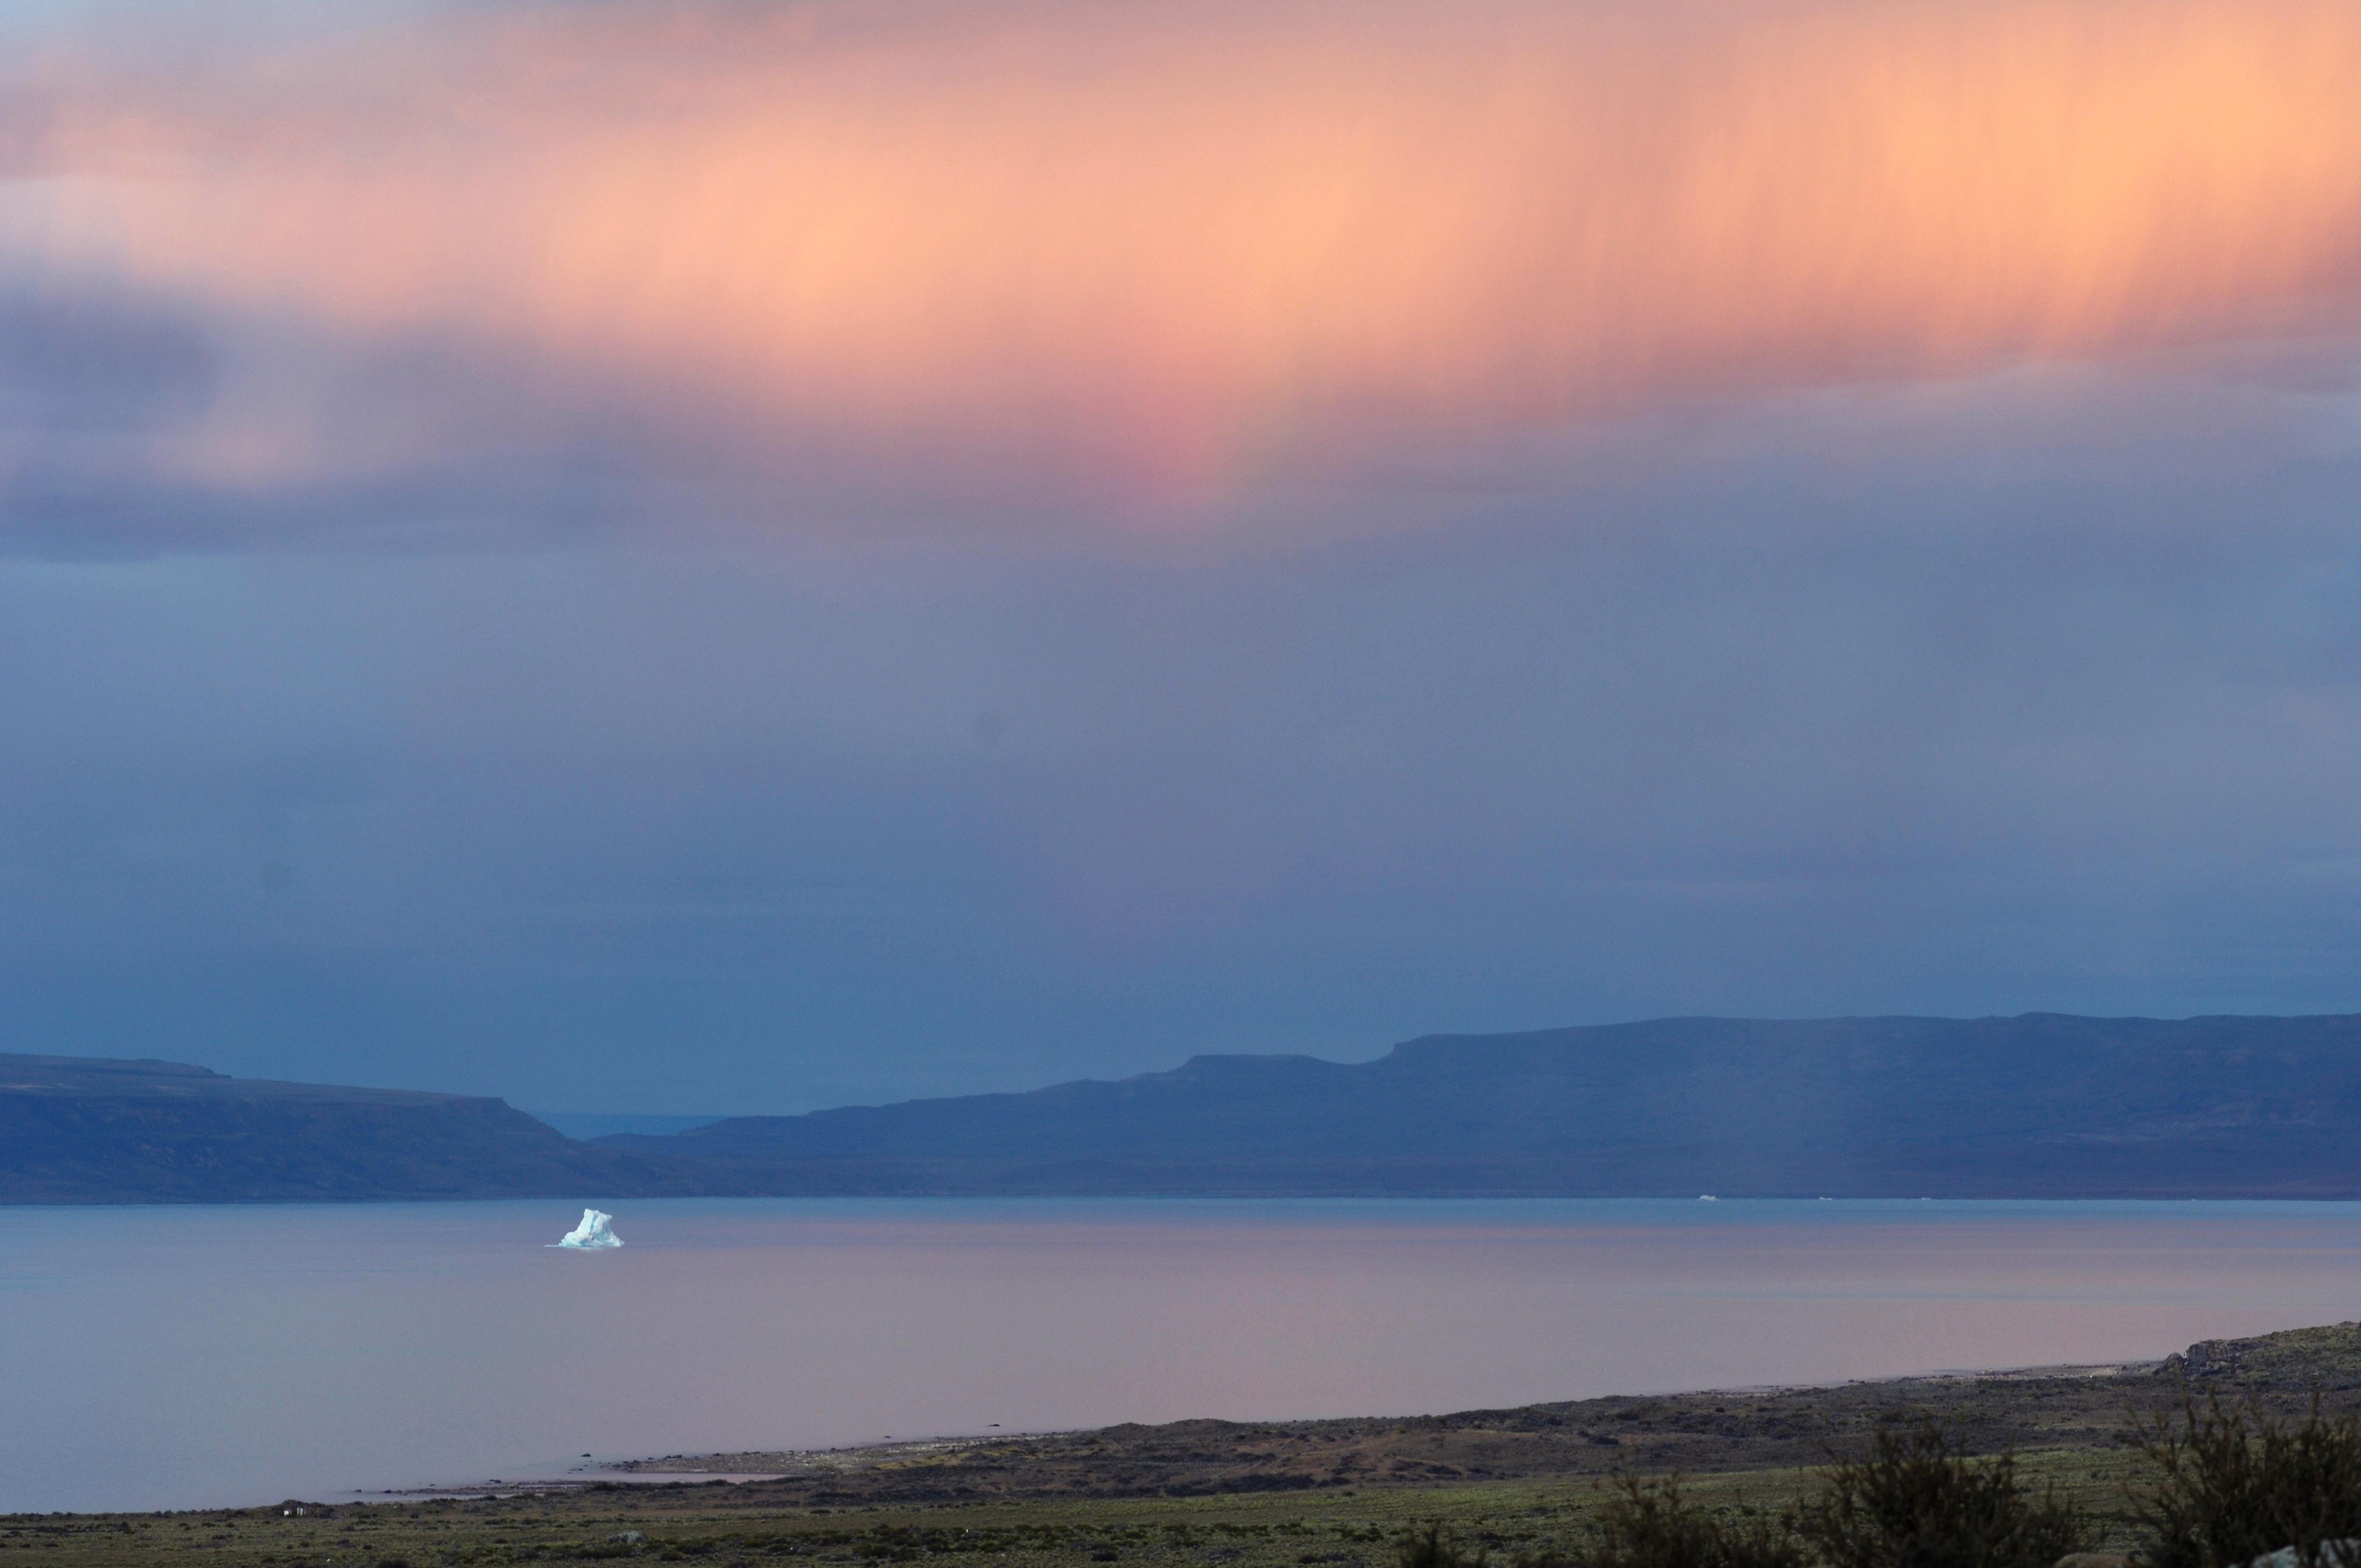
(591, 1233)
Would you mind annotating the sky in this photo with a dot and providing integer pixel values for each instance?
(715, 557)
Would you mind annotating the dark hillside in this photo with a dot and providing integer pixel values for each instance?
(2042, 1105)
(84, 1129)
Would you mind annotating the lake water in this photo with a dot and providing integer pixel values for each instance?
(169, 1357)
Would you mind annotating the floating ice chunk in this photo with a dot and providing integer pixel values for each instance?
(591, 1233)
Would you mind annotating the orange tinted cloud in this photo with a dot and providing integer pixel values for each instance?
(1172, 241)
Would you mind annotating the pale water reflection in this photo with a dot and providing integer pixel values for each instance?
(176, 1357)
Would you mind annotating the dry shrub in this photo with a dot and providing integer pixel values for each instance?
(1648, 1524)
(1433, 1546)
(2237, 1483)
(1917, 1500)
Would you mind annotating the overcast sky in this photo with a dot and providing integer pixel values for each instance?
(711, 557)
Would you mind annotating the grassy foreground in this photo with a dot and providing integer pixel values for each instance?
(722, 1524)
(1200, 1494)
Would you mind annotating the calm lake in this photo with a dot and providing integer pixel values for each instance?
(173, 1357)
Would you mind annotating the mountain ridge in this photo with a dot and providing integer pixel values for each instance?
(106, 1130)
(2037, 1105)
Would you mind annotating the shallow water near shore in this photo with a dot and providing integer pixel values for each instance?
(178, 1357)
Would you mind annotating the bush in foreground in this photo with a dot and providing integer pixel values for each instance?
(1433, 1546)
(1648, 1524)
(2237, 1483)
(1917, 1500)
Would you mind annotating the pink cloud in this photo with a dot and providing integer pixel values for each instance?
(1167, 247)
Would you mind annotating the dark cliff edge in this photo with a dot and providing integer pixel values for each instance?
(2038, 1106)
(85, 1130)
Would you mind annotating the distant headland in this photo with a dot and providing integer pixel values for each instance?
(2042, 1105)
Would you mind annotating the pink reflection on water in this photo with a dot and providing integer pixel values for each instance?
(210, 1356)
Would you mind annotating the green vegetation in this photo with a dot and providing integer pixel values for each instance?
(1652, 1524)
(2239, 1482)
(1918, 1501)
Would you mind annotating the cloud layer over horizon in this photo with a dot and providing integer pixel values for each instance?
(698, 556)
(1141, 264)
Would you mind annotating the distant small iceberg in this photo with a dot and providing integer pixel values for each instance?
(592, 1232)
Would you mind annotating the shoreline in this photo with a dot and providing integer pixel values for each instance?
(774, 1464)
(848, 1465)
(1340, 1493)
(1694, 1431)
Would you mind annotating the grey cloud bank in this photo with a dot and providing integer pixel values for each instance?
(2007, 714)
(383, 702)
